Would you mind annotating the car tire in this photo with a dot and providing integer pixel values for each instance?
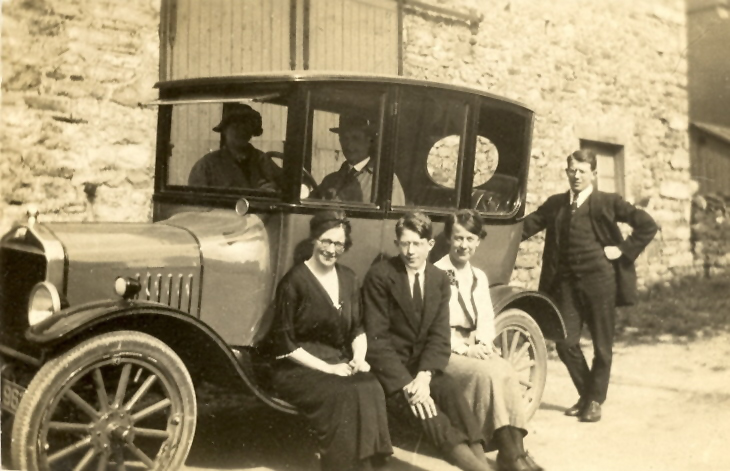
(117, 399)
(519, 339)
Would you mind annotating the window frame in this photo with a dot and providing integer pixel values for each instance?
(379, 173)
(617, 153)
(467, 101)
(211, 196)
(522, 157)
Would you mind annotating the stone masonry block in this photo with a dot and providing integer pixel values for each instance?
(675, 190)
(47, 103)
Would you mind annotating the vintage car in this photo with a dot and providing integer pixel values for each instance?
(108, 328)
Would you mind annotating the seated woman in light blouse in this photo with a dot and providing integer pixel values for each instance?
(320, 345)
(489, 382)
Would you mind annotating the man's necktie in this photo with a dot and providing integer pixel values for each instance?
(353, 173)
(349, 178)
(574, 204)
(417, 297)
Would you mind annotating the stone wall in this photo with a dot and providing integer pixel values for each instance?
(75, 142)
(611, 71)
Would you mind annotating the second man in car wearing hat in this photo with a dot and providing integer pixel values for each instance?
(354, 180)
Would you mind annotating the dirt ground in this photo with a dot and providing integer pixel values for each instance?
(668, 410)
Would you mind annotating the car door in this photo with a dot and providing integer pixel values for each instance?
(330, 109)
(428, 156)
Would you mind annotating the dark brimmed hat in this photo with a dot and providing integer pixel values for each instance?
(238, 112)
(353, 121)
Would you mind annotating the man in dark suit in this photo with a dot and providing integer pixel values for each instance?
(406, 310)
(588, 268)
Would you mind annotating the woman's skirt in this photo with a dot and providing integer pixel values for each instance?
(347, 412)
(492, 389)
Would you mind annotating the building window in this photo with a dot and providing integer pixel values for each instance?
(610, 168)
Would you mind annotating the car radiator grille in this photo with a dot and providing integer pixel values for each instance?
(19, 272)
(175, 290)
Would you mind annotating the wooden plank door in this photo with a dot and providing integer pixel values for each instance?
(203, 38)
(352, 35)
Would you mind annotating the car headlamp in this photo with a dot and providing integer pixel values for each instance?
(43, 303)
(126, 287)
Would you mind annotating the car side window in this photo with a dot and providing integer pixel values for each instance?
(346, 135)
(498, 160)
(232, 145)
(429, 148)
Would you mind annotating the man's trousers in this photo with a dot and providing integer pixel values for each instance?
(588, 299)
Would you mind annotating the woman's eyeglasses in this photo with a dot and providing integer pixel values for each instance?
(338, 246)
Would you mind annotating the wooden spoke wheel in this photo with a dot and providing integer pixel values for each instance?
(522, 344)
(122, 400)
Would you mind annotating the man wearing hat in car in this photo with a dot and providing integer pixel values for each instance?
(354, 180)
(237, 164)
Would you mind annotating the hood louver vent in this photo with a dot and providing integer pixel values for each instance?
(175, 290)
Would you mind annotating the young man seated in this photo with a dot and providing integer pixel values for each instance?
(406, 310)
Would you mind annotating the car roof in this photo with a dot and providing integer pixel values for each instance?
(322, 76)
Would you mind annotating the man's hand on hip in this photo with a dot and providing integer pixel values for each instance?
(612, 252)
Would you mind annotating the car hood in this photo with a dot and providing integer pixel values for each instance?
(163, 258)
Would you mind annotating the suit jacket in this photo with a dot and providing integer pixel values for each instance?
(402, 342)
(606, 210)
(341, 186)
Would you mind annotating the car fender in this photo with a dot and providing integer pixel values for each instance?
(203, 351)
(539, 306)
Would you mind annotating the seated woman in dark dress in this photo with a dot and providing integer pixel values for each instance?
(320, 345)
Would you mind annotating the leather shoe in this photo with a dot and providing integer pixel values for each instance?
(518, 463)
(591, 413)
(533, 465)
(575, 410)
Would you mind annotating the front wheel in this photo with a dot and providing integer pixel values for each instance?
(122, 400)
(522, 344)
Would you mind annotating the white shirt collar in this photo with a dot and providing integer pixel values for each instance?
(582, 195)
(361, 165)
(465, 269)
(446, 264)
(412, 273)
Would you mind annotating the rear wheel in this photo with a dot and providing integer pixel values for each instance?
(122, 400)
(522, 344)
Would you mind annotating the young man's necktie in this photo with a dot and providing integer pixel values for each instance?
(417, 296)
(574, 204)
